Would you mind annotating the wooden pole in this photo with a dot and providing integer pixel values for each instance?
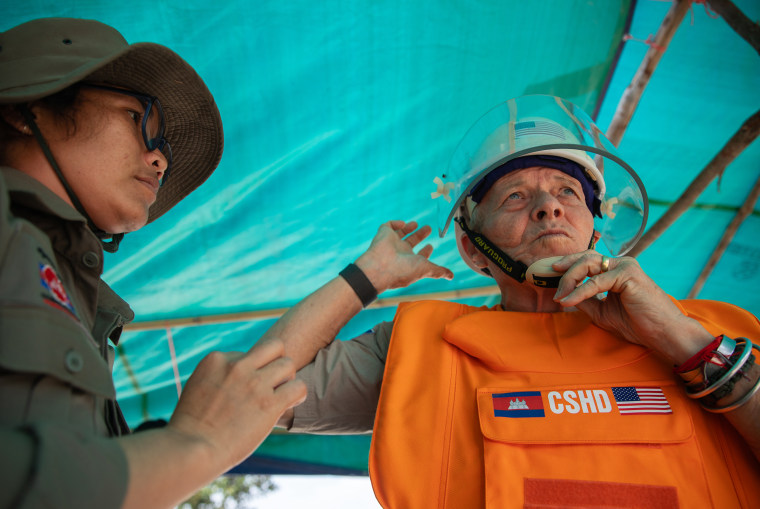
(738, 142)
(736, 19)
(744, 136)
(264, 314)
(750, 32)
(744, 211)
(632, 95)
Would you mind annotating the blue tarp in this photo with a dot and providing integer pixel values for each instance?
(338, 114)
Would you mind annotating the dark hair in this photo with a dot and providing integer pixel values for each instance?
(63, 106)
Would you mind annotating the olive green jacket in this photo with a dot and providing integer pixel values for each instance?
(58, 412)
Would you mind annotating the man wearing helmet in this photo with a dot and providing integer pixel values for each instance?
(97, 138)
(559, 396)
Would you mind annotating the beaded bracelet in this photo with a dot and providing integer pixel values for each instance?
(736, 404)
(727, 388)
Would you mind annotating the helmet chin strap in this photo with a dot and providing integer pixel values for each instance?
(116, 238)
(511, 267)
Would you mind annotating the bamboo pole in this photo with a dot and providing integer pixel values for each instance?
(746, 134)
(742, 25)
(263, 314)
(744, 211)
(750, 32)
(632, 95)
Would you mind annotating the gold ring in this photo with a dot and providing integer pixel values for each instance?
(605, 263)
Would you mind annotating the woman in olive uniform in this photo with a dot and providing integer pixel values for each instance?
(97, 138)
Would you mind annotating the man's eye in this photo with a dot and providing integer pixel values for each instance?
(569, 191)
(135, 116)
(514, 196)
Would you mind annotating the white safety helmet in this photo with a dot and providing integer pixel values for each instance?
(543, 125)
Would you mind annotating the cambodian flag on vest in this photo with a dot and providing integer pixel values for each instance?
(518, 404)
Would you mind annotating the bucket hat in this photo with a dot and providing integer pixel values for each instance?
(44, 56)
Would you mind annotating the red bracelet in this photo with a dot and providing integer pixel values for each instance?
(704, 355)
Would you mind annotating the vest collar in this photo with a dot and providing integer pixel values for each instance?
(519, 341)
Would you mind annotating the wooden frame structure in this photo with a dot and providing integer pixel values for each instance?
(626, 108)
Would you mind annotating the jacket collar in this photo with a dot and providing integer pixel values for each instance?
(33, 194)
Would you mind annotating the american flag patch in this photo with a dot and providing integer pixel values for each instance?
(538, 128)
(641, 400)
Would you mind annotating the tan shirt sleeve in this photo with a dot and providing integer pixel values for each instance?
(344, 385)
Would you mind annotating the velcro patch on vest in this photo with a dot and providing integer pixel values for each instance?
(592, 412)
(543, 493)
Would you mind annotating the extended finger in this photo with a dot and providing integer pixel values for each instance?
(291, 393)
(591, 287)
(400, 227)
(278, 372)
(418, 236)
(407, 228)
(394, 224)
(438, 271)
(262, 354)
(576, 267)
(426, 251)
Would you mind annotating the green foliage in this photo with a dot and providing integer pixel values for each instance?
(230, 491)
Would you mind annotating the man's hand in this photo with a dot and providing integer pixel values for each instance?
(635, 307)
(390, 262)
(232, 400)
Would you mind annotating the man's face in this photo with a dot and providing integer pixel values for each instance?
(535, 213)
(105, 160)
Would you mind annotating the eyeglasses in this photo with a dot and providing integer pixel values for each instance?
(153, 124)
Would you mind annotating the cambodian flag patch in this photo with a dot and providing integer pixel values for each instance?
(55, 291)
(518, 404)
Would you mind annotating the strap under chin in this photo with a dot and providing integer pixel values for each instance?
(111, 246)
(512, 268)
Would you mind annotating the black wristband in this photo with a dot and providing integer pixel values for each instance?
(359, 283)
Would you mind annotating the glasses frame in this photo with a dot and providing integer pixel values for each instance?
(156, 143)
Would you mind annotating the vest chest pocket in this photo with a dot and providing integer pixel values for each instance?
(581, 446)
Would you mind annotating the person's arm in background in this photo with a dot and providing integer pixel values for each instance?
(389, 262)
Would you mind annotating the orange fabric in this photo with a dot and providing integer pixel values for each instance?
(476, 401)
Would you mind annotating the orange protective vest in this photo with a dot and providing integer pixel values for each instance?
(484, 408)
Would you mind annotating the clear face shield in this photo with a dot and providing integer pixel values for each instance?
(547, 125)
